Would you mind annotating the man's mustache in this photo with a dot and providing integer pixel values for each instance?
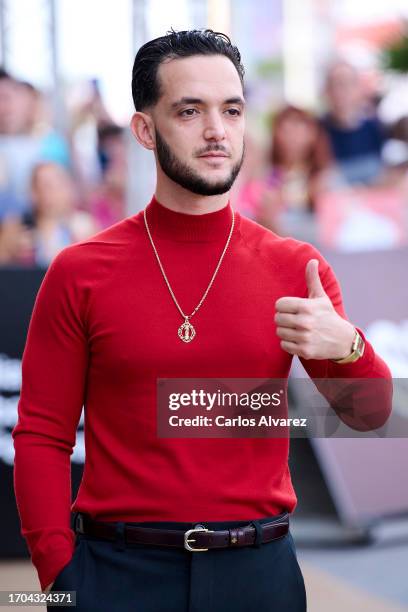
(213, 148)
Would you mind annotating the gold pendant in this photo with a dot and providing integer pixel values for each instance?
(186, 331)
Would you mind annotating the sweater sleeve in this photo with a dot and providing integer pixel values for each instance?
(54, 367)
(365, 404)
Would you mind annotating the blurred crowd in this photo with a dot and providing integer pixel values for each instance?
(56, 189)
(343, 158)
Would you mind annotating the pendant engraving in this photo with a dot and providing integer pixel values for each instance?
(186, 331)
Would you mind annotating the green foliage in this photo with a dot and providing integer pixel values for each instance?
(395, 57)
(269, 68)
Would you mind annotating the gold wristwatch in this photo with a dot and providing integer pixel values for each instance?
(357, 350)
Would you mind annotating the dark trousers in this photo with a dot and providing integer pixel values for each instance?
(118, 577)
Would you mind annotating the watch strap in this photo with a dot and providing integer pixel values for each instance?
(357, 350)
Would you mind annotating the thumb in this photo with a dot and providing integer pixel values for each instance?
(313, 282)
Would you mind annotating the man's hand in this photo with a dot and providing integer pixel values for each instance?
(47, 589)
(310, 327)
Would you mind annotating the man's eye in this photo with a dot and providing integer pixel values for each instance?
(188, 112)
(235, 112)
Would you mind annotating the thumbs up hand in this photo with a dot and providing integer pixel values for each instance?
(310, 327)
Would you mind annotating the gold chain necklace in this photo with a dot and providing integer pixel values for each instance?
(186, 331)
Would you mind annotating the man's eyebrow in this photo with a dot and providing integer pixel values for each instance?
(188, 100)
(235, 100)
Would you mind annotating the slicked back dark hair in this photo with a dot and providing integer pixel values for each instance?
(185, 43)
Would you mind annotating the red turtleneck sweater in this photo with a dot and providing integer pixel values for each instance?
(104, 328)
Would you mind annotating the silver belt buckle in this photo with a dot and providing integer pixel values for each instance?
(187, 539)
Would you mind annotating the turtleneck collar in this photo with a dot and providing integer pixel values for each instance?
(166, 223)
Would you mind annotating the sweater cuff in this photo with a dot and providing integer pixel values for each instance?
(50, 557)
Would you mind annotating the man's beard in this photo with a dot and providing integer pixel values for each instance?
(186, 177)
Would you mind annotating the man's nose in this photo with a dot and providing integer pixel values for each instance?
(214, 128)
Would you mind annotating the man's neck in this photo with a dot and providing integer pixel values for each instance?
(184, 201)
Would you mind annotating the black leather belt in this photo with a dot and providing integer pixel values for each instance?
(197, 539)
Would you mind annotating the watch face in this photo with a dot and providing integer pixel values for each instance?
(357, 350)
(359, 345)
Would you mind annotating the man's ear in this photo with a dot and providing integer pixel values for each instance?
(142, 128)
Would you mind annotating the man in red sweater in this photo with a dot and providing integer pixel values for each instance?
(185, 288)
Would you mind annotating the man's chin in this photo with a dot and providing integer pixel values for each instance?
(211, 190)
(214, 177)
